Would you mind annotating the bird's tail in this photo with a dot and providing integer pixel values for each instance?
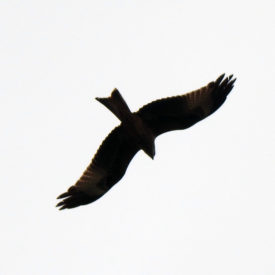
(116, 104)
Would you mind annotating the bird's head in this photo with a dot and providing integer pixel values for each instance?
(149, 149)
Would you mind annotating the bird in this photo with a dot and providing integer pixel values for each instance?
(138, 131)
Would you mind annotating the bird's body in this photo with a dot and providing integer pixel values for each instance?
(138, 131)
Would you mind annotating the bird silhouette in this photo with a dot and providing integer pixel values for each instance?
(137, 131)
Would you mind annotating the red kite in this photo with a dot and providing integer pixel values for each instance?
(137, 131)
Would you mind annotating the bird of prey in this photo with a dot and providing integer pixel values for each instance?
(137, 131)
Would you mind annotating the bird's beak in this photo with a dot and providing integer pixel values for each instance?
(152, 153)
(150, 150)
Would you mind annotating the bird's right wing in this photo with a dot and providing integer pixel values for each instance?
(181, 112)
(107, 168)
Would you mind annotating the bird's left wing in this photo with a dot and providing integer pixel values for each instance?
(181, 112)
(107, 168)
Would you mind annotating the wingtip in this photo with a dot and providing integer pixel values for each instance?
(63, 195)
(73, 198)
(60, 203)
(225, 81)
(219, 79)
(233, 80)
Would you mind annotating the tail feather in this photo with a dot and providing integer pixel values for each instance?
(116, 104)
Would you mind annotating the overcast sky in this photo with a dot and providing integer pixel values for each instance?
(205, 205)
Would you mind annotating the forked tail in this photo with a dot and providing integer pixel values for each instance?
(116, 104)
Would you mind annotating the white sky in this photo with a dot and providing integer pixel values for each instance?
(205, 205)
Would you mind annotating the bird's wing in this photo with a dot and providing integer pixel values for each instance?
(180, 112)
(107, 168)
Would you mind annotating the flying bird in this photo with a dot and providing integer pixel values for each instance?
(138, 131)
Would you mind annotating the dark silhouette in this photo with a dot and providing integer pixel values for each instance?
(138, 131)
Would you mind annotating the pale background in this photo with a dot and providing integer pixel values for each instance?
(205, 205)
